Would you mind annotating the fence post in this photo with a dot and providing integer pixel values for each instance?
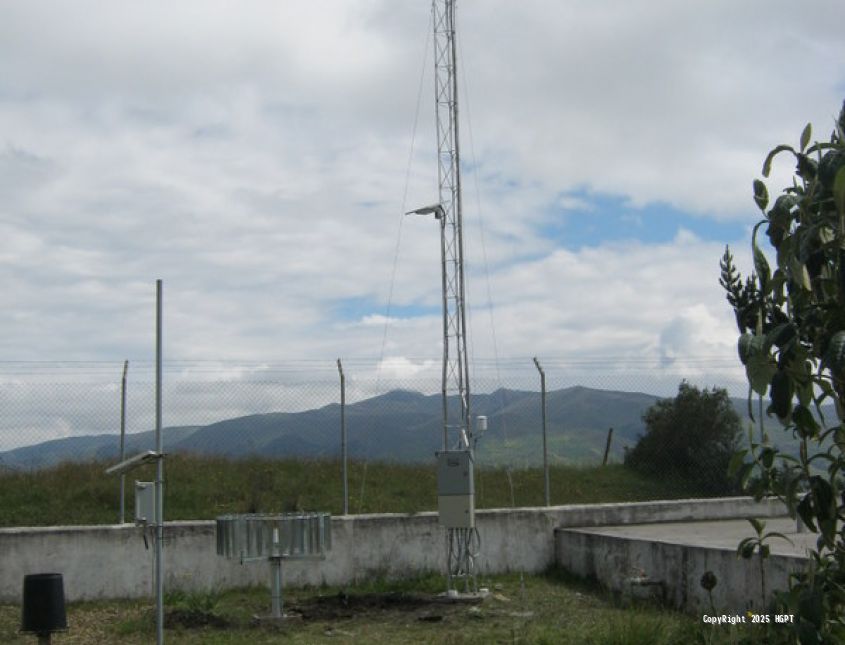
(607, 447)
(159, 483)
(343, 438)
(545, 444)
(123, 440)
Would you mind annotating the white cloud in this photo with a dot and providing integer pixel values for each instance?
(654, 101)
(253, 155)
(696, 333)
(400, 367)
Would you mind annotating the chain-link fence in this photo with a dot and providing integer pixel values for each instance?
(55, 412)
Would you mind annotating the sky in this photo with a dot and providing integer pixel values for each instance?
(258, 156)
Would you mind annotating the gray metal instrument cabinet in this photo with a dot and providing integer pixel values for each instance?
(456, 489)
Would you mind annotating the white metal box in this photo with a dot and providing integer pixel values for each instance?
(145, 503)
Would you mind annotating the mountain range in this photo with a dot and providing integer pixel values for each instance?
(400, 425)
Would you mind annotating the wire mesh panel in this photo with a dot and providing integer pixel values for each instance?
(53, 413)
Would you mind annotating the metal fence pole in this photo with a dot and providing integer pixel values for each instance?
(607, 447)
(122, 518)
(343, 438)
(159, 484)
(545, 444)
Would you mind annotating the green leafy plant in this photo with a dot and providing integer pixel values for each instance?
(791, 322)
(758, 543)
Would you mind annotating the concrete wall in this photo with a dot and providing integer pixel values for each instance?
(614, 561)
(111, 561)
(689, 510)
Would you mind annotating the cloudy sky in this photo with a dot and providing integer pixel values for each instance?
(258, 156)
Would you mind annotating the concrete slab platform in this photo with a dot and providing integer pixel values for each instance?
(671, 558)
(722, 534)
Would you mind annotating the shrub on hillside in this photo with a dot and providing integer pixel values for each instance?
(691, 437)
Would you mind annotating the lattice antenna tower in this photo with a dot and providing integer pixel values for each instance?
(455, 377)
(455, 480)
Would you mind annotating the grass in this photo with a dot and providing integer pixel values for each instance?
(199, 487)
(550, 608)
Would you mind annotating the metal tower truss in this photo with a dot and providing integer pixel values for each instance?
(456, 496)
(455, 377)
(455, 472)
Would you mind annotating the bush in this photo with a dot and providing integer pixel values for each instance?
(691, 437)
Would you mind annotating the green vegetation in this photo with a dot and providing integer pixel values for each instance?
(791, 323)
(690, 438)
(550, 608)
(205, 487)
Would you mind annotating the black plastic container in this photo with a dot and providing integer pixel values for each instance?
(43, 603)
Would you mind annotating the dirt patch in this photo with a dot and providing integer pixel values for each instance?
(347, 606)
(192, 618)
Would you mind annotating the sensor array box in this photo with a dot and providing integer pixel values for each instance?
(455, 489)
(145, 503)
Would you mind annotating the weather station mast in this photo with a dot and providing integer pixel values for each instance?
(455, 478)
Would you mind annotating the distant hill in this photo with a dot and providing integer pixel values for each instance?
(398, 426)
(104, 447)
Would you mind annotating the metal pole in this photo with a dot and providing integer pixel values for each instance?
(458, 205)
(123, 440)
(276, 606)
(276, 601)
(441, 215)
(545, 444)
(159, 484)
(607, 447)
(343, 454)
